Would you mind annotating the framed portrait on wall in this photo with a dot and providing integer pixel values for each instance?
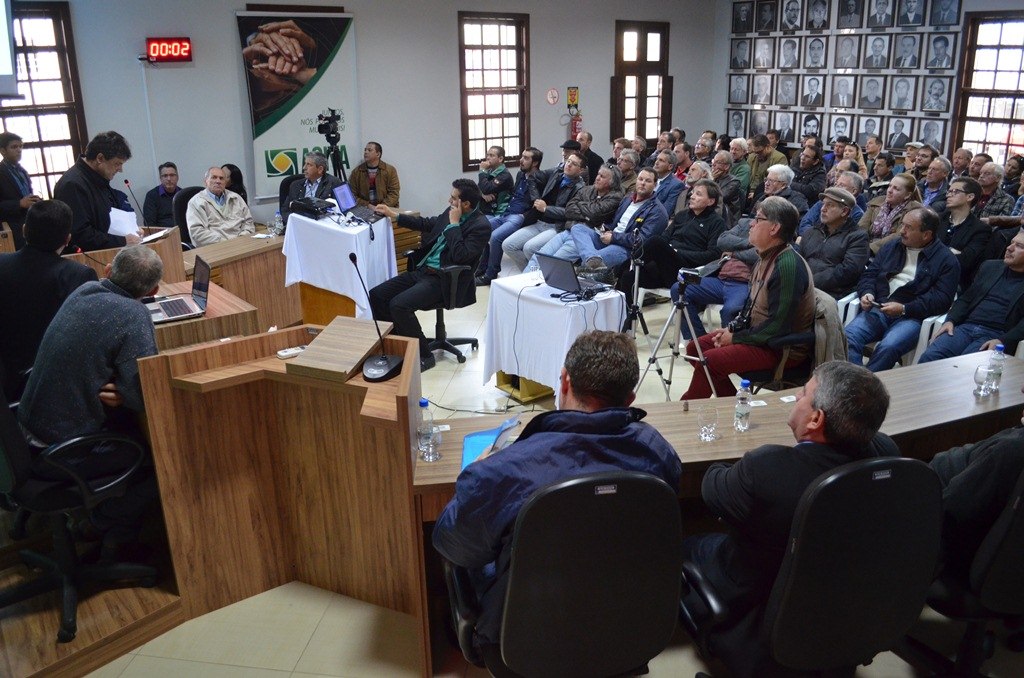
(838, 126)
(759, 123)
(742, 17)
(880, 15)
(764, 53)
(762, 90)
(738, 89)
(817, 15)
(844, 89)
(740, 54)
(902, 93)
(868, 125)
(932, 132)
(810, 123)
(910, 13)
(736, 123)
(851, 14)
(941, 48)
(784, 124)
(812, 91)
(945, 13)
(847, 52)
(789, 53)
(897, 134)
(815, 52)
(872, 91)
(935, 94)
(766, 18)
(785, 90)
(791, 15)
(876, 51)
(907, 51)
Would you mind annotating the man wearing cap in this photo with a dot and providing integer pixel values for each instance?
(835, 248)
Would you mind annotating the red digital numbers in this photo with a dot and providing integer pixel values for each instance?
(168, 49)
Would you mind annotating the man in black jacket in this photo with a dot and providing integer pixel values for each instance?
(35, 281)
(966, 236)
(990, 312)
(456, 237)
(835, 248)
(834, 421)
(16, 194)
(317, 183)
(809, 175)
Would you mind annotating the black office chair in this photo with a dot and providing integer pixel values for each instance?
(441, 340)
(861, 554)
(995, 591)
(62, 569)
(591, 586)
(179, 205)
(282, 191)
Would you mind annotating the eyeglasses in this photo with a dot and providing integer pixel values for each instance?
(758, 218)
(954, 191)
(571, 163)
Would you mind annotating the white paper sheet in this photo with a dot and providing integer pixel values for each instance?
(122, 223)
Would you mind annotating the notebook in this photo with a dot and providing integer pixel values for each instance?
(347, 204)
(560, 274)
(182, 306)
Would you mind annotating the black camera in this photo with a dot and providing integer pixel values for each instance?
(328, 123)
(740, 322)
(687, 276)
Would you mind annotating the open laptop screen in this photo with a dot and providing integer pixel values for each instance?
(343, 195)
(201, 283)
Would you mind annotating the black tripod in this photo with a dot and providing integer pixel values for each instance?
(334, 153)
(680, 305)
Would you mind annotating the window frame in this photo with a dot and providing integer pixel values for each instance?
(521, 23)
(641, 69)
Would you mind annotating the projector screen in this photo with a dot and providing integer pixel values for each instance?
(8, 72)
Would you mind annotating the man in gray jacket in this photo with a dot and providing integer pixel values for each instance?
(835, 248)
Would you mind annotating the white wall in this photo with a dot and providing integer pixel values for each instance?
(407, 61)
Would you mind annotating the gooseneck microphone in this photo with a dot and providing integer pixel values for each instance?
(383, 366)
(128, 185)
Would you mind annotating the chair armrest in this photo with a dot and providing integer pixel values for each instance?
(465, 609)
(794, 339)
(409, 263)
(698, 583)
(57, 455)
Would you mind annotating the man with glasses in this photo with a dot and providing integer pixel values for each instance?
(157, 206)
(628, 160)
(965, 235)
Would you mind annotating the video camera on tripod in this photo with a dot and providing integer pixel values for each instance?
(328, 126)
(687, 276)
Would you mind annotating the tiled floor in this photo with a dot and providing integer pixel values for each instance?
(298, 630)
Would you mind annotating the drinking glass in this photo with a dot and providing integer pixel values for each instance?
(707, 423)
(983, 379)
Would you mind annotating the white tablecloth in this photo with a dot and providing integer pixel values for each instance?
(317, 252)
(529, 333)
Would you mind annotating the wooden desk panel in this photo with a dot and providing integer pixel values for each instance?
(168, 248)
(253, 269)
(226, 316)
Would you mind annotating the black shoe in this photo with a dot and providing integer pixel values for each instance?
(483, 280)
(427, 361)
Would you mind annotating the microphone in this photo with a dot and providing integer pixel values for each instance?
(78, 250)
(128, 185)
(384, 366)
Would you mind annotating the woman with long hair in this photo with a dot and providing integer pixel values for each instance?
(883, 219)
(236, 182)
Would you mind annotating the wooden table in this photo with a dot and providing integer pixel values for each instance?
(168, 248)
(253, 269)
(226, 316)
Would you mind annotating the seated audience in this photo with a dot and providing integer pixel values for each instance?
(733, 195)
(628, 162)
(640, 217)
(740, 169)
(838, 151)
(698, 170)
(664, 143)
(1011, 174)
(778, 182)
(374, 181)
(684, 157)
(85, 188)
(993, 201)
(761, 157)
(965, 235)
(990, 312)
(849, 182)
(316, 184)
(835, 248)
(908, 280)
(618, 146)
(86, 380)
(977, 162)
(235, 181)
(835, 421)
(668, 187)
(853, 152)
(977, 481)
(1015, 218)
(217, 214)
(935, 184)
(157, 207)
(16, 194)
(781, 302)
(593, 160)
(495, 183)
(550, 190)
(594, 430)
(961, 162)
(919, 169)
(883, 220)
(36, 280)
(456, 237)
(809, 177)
(505, 225)
(884, 164)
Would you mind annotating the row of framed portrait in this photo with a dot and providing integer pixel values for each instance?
(868, 92)
(812, 15)
(900, 51)
(894, 131)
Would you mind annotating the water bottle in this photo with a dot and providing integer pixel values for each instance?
(278, 227)
(995, 366)
(742, 420)
(426, 436)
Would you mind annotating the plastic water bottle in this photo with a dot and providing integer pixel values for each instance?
(995, 366)
(278, 227)
(741, 422)
(426, 436)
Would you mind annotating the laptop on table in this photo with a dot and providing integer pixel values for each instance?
(560, 274)
(183, 306)
(347, 204)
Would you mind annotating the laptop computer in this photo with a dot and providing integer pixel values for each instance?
(560, 274)
(182, 306)
(347, 204)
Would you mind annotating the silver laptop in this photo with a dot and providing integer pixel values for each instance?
(560, 274)
(183, 306)
(347, 204)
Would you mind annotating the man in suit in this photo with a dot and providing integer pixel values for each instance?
(878, 58)
(738, 93)
(842, 97)
(786, 95)
(944, 13)
(849, 14)
(908, 52)
(16, 194)
(36, 280)
(766, 17)
(762, 95)
(455, 237)
(835, 420)
(763, 58)
(911, 14)
(813, 96)
(817, 17)
(815, 54)
(668, 185)
(791, 16)
(902, 99)
(317, 183)
(936, 98)
(881, 16)
(940, 57)
(872, 96)
(847, 58)
(790, 59)
(787, 134)
(741, 55)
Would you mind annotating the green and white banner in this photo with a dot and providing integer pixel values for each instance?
(298, 67)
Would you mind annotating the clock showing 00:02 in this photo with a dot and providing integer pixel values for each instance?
(160, 50)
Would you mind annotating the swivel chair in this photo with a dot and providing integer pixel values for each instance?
(282, 191)
(592, 584)
(55, 498)
(861, 554)
(441, 340)
(179, 206)
(994, 590)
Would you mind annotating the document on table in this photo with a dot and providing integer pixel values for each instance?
(122, 223)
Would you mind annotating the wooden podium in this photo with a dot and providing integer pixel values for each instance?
(168, 248)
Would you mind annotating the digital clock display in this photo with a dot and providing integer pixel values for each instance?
(160, 50)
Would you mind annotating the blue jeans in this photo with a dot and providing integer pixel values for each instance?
(501, 228)
(588, 244)
(966, 338)
(895, 336)
(522, 244)
(560, 246)
(732, 295)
